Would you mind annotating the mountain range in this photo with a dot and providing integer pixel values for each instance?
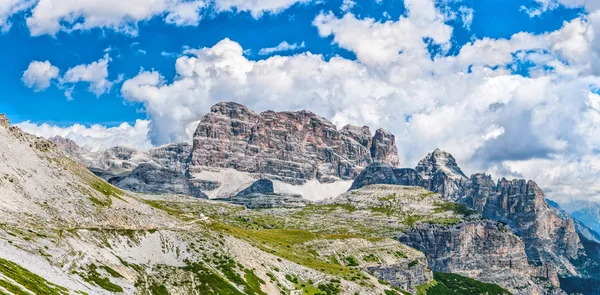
(278, 202)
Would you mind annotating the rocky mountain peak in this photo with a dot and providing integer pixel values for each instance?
(232, 109)
(361, 135)
(384, 148)
(440, 161)
(291, 146)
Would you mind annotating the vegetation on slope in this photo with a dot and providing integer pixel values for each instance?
(453, 284)
(25, 280)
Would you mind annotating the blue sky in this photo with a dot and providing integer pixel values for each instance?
(493, 18)
(508, 87)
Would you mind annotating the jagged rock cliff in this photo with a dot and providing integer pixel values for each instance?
(485, 250)
(302, 152)
(159, 170)
(551, 240)
(261, 195)
(441, 174)
(292, 147)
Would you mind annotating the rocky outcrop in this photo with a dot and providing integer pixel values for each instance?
(261, 186)
(485, 250)
(386, 259)
(152, 178)
(261, 195)
(380, 173)
(292, 147)
(383, 148)
(550, 238)
(161, 170)
(441, 174)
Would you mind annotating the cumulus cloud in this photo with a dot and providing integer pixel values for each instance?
(9, 8)
(347, 5)
(95, 137)
(471, 104)
(282, 47)
(254, 7)
(52, 16)
(377, 43)
(95, 73)
(541, 6)
(39, 74)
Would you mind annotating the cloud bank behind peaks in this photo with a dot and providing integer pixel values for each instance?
(95, 137)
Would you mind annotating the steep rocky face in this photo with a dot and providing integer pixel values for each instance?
(384, 148)
(175, 156)
(549, 238)
(261, 186)
(485, 250)
(379, 173)
(441, 174)
(159, 170)
(152, 178)
(292, 147)
(261, 195)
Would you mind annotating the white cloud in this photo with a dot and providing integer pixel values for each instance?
(466, 16)
(39, 74)
(283, 46)
(542, 6)
(95, 73)
(52, 16)
(95, 137)
(376, 43)
(256, 7)
(347, 5)
(9, 8)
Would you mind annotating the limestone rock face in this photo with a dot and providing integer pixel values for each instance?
(152, 178)
(261, 186)
(159, 170)
(379, 173)
(384, 148)
(484, 250)
(292, 147)
(175, 156)
(441, 174)
(549, 238)
(261, 195)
